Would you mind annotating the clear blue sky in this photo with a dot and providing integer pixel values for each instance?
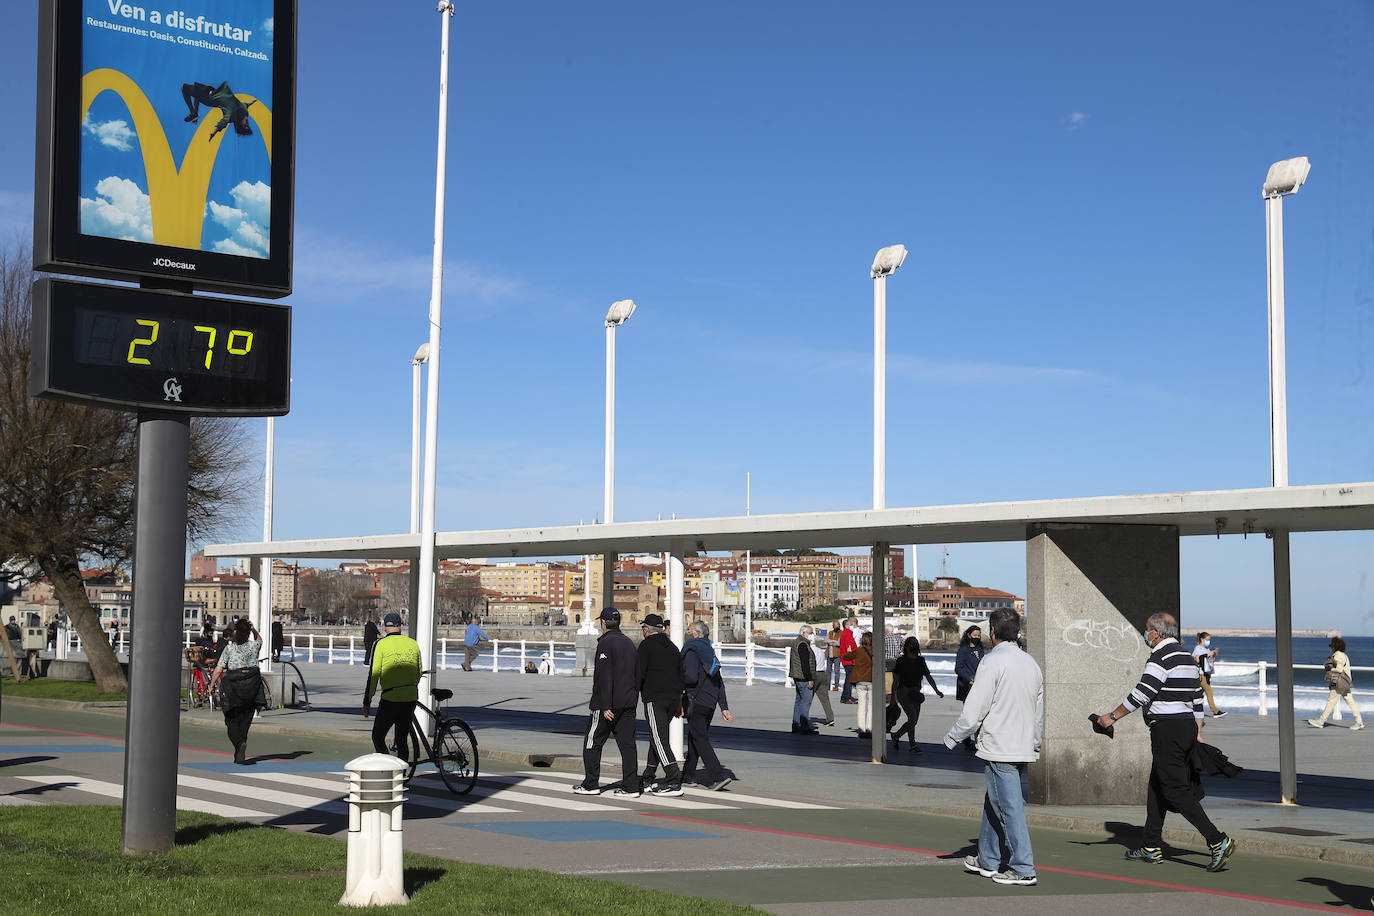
(1082, 313)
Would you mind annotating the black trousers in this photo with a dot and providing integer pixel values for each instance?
(599, 728)
(397, 715)
(1171, 787)
(237, 722)
(699, 745)
(910, 699)
(659, 714)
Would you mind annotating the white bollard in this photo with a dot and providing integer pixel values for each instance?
(376, 783)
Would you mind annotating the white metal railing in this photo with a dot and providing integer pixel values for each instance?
(1262, 687)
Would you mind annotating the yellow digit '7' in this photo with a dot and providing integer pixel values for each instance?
(209, 347)
(137, 341)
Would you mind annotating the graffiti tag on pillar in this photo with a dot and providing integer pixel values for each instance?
(1120, 642)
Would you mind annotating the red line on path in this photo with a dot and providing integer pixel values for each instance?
(61, 731)
(1063, 871)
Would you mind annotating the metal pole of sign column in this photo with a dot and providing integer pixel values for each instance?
(154, 713)
(424, 611)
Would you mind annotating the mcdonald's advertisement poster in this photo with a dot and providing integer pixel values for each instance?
(176, 129)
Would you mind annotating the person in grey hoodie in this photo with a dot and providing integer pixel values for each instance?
(1005, 709)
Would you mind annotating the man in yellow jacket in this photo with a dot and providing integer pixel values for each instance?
(396, 671)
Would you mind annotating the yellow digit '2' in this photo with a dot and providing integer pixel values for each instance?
(149, 340)
(209, 347)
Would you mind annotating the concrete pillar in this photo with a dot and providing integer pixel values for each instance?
(1089, 591)
(677, 622)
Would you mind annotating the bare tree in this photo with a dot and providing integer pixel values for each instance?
(67, 476)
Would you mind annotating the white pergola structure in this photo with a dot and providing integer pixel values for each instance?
(1098, 565)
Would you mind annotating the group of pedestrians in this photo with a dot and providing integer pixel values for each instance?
(672, 683)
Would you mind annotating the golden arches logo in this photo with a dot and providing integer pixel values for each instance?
(176, 195)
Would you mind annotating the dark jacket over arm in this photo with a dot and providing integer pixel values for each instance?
(613, 674)
(707, 690)
(658, 670)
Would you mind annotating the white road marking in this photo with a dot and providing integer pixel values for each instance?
(418, 801)
(732, 795)
(114, 790)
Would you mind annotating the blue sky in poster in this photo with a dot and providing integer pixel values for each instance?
(152, 45)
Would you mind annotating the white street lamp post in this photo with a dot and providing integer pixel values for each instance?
(1284, 178)
(619, 313)
(416, 467)
(885, 264)
(424, 611)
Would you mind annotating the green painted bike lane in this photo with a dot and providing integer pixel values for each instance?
(1068, 864)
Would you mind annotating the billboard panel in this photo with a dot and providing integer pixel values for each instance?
(165, 142)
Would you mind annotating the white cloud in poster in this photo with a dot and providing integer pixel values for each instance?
(121, 210)
(248, 221)
(114, 134)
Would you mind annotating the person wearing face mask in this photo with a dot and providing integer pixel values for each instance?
(1169, 697)
(966, 666)
(1206, 657)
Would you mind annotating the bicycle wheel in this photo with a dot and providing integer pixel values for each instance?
(455, 756)
(199, 693)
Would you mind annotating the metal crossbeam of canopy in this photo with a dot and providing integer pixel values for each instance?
(1325, 507)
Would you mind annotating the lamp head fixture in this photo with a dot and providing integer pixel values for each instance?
(421, 354)
(887, 260)
(620, 312)
(1286, 177)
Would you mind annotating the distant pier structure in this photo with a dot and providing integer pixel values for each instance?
(1238, 632)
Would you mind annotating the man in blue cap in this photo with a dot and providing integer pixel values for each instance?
(614, 697)
(396, 670)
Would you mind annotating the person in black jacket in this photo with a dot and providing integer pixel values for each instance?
(614, 697)
(658, 675)
(705, 690)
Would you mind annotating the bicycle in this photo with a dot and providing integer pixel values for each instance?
(198, 692)
(454, 753)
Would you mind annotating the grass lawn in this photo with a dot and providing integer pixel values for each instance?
(49, 689)
(66, 859)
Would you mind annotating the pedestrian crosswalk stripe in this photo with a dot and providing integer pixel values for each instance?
(731, 796)
(541, 801)
(455, 804)
(684, 801)
(114, 790)
(288, 799)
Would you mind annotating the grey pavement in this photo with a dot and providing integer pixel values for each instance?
(538, 720)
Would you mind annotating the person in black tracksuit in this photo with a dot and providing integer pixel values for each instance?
(658, 675)
(614, 697)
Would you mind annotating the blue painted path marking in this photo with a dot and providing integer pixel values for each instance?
(62, 748)
(272, 766)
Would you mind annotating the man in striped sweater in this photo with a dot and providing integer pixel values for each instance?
(1169, 696)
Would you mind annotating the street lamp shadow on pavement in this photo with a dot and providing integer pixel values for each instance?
(1355, 896)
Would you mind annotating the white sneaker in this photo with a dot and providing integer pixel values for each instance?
(1007, 877)
(624, 793)
(666, 790)
(580, 789)
(1357, 726)
(971, 864)
(1315, 723)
